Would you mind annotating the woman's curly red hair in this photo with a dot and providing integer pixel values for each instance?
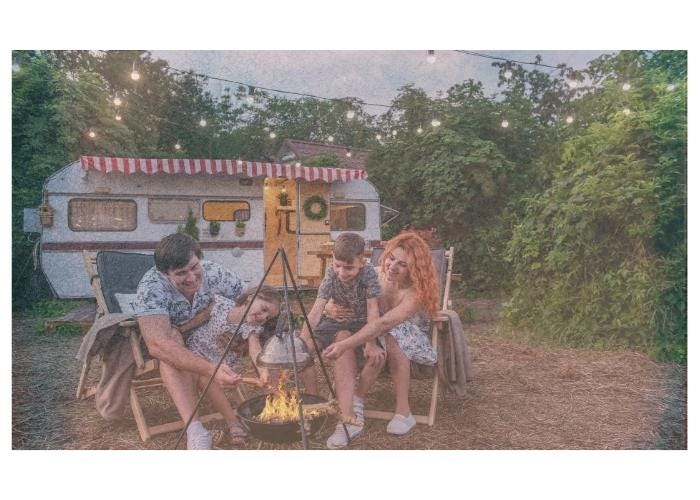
(421, 269)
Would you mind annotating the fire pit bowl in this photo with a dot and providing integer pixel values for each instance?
(278, 432)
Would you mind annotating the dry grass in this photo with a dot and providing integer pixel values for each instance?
(522, 397)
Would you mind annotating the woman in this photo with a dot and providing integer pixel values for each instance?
(408, 300)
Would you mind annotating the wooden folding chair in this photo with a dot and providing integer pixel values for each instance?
(443, 265)
(114, 272)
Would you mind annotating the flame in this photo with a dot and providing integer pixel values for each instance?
(283, 405)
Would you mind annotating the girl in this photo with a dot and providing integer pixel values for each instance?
(210, 341)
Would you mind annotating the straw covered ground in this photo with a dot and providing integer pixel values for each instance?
(522, 397)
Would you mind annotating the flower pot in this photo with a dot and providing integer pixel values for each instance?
(240, 231)
(46, 215)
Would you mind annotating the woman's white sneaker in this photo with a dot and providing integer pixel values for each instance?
(338, 439)
(401, 425)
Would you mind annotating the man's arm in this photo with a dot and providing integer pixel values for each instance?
(198, 320)
(165, 344)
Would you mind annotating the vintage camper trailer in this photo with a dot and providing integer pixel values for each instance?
(129, 204)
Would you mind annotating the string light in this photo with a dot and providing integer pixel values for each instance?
(393, 133)
(348, 153)
(505, 124)
(331, 138)
(626, 111)
(202, 123)
(435, 122)
(297, 164)
(626, 86)
(431, 56)
(419, 130)
(569, 119)
(135, 75)
(572, 84)
(670, 87)
(118, 117)
(272, 135)
(350, 114)
(378, 137)
(177, 146)
(91, 134)
(239, 162)
(508, 74)
(117, 101)
(266, 129)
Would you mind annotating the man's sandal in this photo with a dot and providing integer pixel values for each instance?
(237, 435)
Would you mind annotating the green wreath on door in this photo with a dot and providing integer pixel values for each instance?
(309, 204)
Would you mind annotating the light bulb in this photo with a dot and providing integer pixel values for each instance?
(266, 129)
(435, 122)
(572, 84)
(297, 164)
(670, 87)
(626, 86)
(272, 135)
(508, 74)
(569, 119)
(239, 162)
(118, 117)
(350, 114)
(378, 137)
(202, 123)
(393, 133)
(331, 138)
(626, 111)
(348, 154)
(431, 56)
(117, 101)
(177, 146)
(250, 99)
(91, 134)
(135, 75)
(419, 130)
(505, 124)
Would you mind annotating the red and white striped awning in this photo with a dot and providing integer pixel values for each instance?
(244, 168)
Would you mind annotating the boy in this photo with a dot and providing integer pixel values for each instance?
(354, 284)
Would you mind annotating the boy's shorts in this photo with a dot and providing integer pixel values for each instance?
(327, 328)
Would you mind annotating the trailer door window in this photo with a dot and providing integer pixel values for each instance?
(220, 210)
(164, 210)
(347, 217)
(101, 215)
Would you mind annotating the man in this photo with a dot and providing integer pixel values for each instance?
(173, 298)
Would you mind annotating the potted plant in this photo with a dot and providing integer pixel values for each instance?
(214, 228)
(240, 228)
(190, 226)
(46, 214)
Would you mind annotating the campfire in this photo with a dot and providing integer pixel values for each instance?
(283, 404)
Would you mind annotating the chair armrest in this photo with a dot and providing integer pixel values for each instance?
(440, 318)
(129, 322)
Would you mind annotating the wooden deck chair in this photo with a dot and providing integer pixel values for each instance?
(113, 273)
(443, 265)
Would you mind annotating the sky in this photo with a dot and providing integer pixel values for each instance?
(372, 76)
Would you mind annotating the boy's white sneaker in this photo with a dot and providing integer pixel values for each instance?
(338, 440)
(400, 425)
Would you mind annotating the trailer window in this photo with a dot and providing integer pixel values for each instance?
(164, 210)
(101, 215)
(347, 217)
(226, 210)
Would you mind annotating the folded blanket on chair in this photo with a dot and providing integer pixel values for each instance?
(118, 363)
(455, 366)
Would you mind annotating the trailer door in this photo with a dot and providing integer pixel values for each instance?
(312, 234)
